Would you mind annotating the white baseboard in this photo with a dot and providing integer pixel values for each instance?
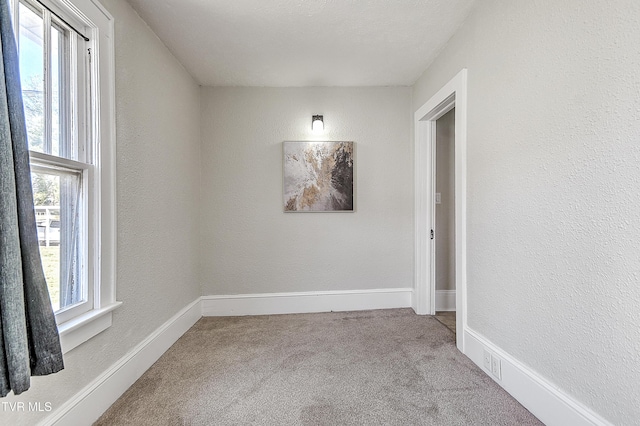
(317, 301)
(445, 300)
(548, 403)
(89, 404)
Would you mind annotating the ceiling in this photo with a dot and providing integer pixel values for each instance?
(293, 43)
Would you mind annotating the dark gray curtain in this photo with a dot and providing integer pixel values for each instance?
(29, 341)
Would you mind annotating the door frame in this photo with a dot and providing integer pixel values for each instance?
(452, 95)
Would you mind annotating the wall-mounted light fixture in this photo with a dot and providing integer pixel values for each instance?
(317, 123)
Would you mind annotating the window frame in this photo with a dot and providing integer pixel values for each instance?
(98, 173)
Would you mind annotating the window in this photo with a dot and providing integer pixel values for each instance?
(66, 67)
(53, 63)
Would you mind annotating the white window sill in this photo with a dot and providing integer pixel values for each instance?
(82, 328)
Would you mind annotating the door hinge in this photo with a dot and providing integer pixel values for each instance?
(432, 234)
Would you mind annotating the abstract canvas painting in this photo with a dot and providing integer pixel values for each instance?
(318, 176)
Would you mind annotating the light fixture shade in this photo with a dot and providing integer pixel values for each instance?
(317, 123)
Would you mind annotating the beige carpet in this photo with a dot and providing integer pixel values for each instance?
(388, 367)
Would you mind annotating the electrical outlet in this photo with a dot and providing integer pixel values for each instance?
(487, 360)
(438, 197)
(496, 367)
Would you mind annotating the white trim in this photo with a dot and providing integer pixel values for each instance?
(83, 327)
(316, 301)
(89, 404)
(57, 162)
(548, 403)
(453, 94)
(445, 300)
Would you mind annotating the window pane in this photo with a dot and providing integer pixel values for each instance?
(46, 196)
(56, 198)
(57, 43)
(32, 75)
(72, 291)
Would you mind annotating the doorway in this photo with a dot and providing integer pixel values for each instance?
(444, 229)
(452, 98)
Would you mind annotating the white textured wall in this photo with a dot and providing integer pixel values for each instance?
(553, 189)
(250, 245)
(157, 113)
(445, 211)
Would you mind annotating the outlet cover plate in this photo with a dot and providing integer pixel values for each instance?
(496, 367)
(487, 360)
